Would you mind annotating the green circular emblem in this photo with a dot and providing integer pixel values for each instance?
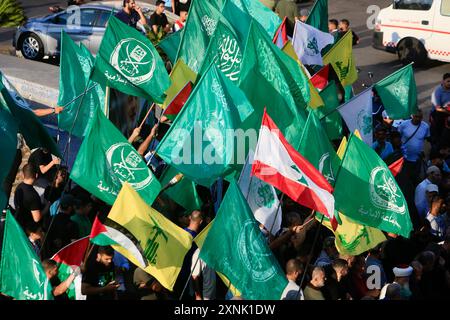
(134, 60)
(384, 192)
(127, 165)
(252, 254)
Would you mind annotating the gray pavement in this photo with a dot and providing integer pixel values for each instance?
(36, 81)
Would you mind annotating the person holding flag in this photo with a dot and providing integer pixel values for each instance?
(59, 288)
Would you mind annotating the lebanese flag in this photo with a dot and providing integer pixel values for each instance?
(396, 167)
(281, 36)
(175, 106)
(112, 234)
(279, 164)
(72, 255)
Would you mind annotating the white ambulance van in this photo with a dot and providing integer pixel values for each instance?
(415, 30)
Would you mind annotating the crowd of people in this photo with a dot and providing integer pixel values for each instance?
(54, 212)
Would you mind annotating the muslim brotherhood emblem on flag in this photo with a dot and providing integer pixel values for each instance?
(251, 253)
(127, 164)
(134, 60)
(384, 191)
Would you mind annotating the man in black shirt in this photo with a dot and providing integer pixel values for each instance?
(131, 14)
(158, 20)
(44, 164)
(334, 288)
(26, 200)
(63, 230)
(98, 281)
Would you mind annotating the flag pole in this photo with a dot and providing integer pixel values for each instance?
(146, 116)
(87, 254)
(106, 106)
(66, 148)
(310, 255)
(320, 225)
(157, 122)
(276, 214)
(189, 278)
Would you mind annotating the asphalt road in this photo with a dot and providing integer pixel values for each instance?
(368, 59)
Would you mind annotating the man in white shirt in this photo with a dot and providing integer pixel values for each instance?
(204, 278)
(437, 218)
(420, 198)
(294, 269)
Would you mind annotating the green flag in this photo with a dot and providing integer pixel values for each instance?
(322, 156)
(271, 79)
(398, 93)
(106, 160)
(318, 17)
(35, 134)
(225, 50)
(331, 121)
(367, 192)
(184, 192)
(74, 72)
(198, 30)
(240, 20)
(21, 274)
(236, 247)
(171, 43)
(8, 144)
(263, 15)
(201, 143)
(128, 61)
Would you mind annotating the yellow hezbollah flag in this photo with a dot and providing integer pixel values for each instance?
(316, 100)
(350, 237)
(153, 242)
(341, 58)
(199, 240)
(181, 74)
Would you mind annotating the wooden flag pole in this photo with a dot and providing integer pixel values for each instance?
(88, 253)
(146, 116)
(106, 107)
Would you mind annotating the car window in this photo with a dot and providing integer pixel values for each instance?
(88, 17)
(445, 8)
(103, 18)
(61, 18)
(413, 4)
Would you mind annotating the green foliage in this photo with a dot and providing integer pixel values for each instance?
(156, 39)
(11, 13)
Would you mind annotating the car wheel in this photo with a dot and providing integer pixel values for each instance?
(31, 47)
(412, 50)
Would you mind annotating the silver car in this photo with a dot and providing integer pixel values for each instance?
(40, 37)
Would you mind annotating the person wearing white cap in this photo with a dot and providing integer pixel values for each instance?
(420, 196)
(402, 275)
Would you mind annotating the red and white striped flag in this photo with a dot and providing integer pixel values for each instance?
(279, 164)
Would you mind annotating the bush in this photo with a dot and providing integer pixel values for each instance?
(11, 13)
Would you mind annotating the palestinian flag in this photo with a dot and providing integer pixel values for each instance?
(72, 255)
(175, 106)
(396, 166)
(112, 234)
(324, 76)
